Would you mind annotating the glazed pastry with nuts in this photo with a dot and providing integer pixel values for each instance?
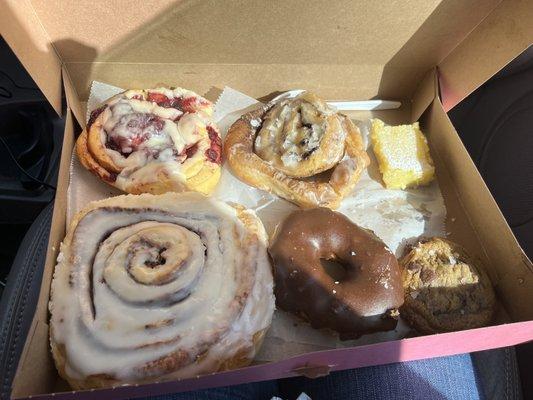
(445, 290)
(300, 149)
(153, 141)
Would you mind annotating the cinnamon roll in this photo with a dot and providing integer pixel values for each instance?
(300, 149)
(153, 141)
(151, 288)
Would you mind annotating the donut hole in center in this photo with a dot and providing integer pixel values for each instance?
(335, 268)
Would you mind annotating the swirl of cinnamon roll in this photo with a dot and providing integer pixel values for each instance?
(300, 149)
(159, 287)
(153, 141)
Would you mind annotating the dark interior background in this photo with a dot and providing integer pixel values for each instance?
(30, 145)
(496, 125)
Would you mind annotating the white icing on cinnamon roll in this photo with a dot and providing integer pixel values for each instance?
(159, 287)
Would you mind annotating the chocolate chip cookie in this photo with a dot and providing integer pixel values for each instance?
(444, 289)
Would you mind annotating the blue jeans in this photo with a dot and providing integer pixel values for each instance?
(486, 375)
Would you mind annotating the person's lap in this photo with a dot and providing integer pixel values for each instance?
(485, 375)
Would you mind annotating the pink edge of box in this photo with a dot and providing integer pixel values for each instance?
(449, 97)
(418, 348)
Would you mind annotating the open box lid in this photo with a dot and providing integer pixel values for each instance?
(355, 50)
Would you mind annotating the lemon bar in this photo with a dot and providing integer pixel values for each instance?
(403, 155)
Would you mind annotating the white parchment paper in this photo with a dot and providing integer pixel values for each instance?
(396, 216)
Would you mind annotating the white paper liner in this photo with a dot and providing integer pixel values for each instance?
(396, 216)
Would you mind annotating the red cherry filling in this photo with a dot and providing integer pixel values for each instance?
(112, 177)
(184, 104)
(94, 114)
(191, 151)
(185, 153)
(126, 145)
(157, 98)
(143, 122)
(132, 131)
(214, 153)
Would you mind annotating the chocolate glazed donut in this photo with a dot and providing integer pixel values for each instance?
(365, 300)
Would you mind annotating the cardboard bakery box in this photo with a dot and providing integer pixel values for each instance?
(403, 50)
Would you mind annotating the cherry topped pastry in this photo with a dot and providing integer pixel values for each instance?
(153, 141)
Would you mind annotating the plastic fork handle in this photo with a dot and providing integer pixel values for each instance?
(365, 105)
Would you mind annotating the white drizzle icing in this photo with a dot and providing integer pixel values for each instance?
(218, 261)
(126, 117)
(293, 129)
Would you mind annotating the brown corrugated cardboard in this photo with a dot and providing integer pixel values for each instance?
(73, 100)
(499, 38)
(361, 49)
(343, 50)
(23, 31)
(487, 235)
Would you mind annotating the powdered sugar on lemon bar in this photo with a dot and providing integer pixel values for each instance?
(403, 155)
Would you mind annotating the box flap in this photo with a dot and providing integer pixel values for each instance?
(23, 32)
(72, 98)
(342, 48)
(497, 40)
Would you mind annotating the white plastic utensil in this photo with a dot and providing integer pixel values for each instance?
(347, 105)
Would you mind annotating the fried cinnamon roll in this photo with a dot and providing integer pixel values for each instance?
(153, 141)
(300, 149)
(159, 287)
